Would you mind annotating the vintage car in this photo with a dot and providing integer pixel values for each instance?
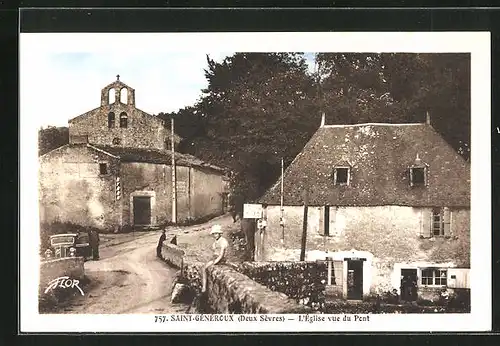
(61, 244)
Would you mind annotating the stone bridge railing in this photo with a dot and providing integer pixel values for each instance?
(228, 290)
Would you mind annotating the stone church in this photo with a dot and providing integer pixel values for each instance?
(116, 172)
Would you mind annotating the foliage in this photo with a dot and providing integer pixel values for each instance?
(256, 109)
(302, 281)
(260, 107)
(399, 88)
(52, 138)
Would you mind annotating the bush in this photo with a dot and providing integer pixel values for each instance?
(302, 281)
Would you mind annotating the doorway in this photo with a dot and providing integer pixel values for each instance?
(142, 210)
(409, 285)
(354, 279)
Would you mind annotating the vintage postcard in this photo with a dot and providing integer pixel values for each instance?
(246, 182)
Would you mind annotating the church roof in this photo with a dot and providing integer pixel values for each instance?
(156, 156)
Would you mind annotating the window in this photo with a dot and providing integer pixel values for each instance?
(327, 220)
(341, 176)
(417, 176)
(123, 120)
(418, 173)
(437, 227)
(103, 168)
(436, 222)
(117, 141)
(111, 120)
(434, 277)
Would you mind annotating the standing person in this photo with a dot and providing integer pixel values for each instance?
(94, 244)
(236, 207)
(219, 248)
(160, 244)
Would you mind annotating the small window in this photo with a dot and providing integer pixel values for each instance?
(417, 176)
(434, 277)
(437, 222)
(103, 168)
(111, 120)
(123, 120)
(341, 176)
(117, 141)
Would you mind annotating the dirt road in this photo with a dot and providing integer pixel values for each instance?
(129, 278)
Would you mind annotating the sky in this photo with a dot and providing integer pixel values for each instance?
(61, 75)
(164, 82)
(57, 85)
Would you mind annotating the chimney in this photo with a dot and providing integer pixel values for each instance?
(427, 118)
(322, 119)
(418, 162)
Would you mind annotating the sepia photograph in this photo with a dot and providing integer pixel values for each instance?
(303, 187)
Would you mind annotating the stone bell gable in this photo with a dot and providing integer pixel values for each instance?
(118, 122)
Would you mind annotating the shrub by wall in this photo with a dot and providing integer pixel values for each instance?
(302, 281)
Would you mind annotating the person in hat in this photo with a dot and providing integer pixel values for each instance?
(219, 248)
(160, 244)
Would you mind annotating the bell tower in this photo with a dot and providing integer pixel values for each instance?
(117, 93)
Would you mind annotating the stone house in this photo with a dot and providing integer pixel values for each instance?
(116, 171)
(387, 204)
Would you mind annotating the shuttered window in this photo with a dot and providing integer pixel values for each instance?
(436, 223)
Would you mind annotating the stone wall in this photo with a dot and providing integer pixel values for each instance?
(303, 281)
(229, 291)
(143, 130)
(71, 188)
(199, 193)
(147, 179)
(206, 193)
(173, 255)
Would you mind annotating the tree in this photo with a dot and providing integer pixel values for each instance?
(52, 138)
(257, 108)
(400, 88)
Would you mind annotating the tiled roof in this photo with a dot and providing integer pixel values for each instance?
(156, 156)
(380, 156)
